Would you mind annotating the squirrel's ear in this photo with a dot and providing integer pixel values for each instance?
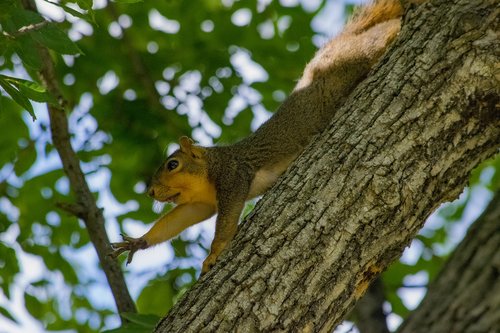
(185, 143)
(188, 147)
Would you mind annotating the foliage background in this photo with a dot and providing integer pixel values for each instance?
(137, 76)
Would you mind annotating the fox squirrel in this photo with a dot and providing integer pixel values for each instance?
(203, 181)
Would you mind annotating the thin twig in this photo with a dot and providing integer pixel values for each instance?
(26, 29)
(72, 208)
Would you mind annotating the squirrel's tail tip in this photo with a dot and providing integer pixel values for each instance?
(375, 12)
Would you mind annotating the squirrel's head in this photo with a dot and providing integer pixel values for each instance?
(182, 177)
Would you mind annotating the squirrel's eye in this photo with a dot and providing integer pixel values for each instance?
(171, 165)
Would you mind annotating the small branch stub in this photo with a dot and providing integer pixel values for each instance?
(26, 29)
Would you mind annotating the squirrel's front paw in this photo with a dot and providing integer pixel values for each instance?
(129, 244)
(208, 263)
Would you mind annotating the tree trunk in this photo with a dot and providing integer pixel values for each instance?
(466, 295)
(403, 143)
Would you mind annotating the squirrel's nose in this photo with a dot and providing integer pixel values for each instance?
(151, 191)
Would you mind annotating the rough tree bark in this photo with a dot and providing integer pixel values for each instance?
(465, 297)
(404, 142)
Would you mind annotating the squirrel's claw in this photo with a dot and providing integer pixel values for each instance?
(129, 244)
(116, 253)
(128, 238)
(208, 264)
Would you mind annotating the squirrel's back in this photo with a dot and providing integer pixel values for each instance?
(328, 79)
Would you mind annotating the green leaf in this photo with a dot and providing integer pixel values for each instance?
(4, 221)
(180, 247)
(5, 313)
(34, 306)
(22, 17)
(249, 206)
(5, 44)
(85, 4)
(156, 297)
(17, 97)
(30, 89)
(13, 129)
(10, 267)
(24, 47)
(89, 16)
(41, 283)
(6, 6)
(56, 39)
(25, 158)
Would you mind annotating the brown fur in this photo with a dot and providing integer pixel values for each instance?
(221, 179)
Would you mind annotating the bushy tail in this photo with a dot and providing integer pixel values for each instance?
(349, 56)
(376, 12)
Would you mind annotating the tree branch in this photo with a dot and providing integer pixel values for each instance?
(87, 208)
(404, 141)
(465, 295)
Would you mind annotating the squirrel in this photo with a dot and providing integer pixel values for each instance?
(204, 181)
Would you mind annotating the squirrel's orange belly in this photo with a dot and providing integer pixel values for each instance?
(267, 176)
